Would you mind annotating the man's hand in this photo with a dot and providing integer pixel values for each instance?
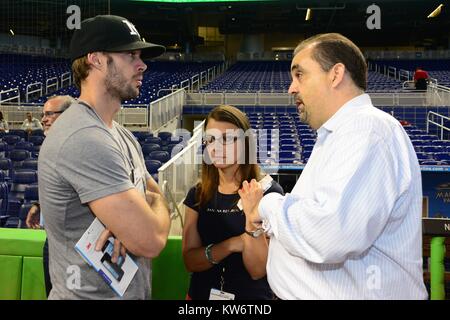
(251, 194)
(33, 217)
(119, 248)
(152, 197)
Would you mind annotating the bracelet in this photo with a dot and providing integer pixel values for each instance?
(208, 254)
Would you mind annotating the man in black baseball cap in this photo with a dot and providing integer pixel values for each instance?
(92, 167)
(111, 34)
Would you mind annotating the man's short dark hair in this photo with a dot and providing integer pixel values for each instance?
(80, 70)
(332, 48)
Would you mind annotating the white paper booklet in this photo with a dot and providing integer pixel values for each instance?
(117, 275)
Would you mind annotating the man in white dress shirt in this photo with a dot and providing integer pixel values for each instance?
(351, 227)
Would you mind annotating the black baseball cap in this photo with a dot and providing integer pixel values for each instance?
(111, 34)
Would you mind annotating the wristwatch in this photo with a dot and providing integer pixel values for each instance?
(255, 233)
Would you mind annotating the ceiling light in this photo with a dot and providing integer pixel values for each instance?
(436, 12)
(308, 14)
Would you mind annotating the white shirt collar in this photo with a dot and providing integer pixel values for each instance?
(335, 121)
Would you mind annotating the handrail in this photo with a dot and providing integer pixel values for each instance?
(67, 76)
(407, 84)
(55, 84)
(440, 125)
(28, 92)
(198, 128)
(172, 90)
(203, 78)
(154, 106)
(171, 171)
(172, 200)
(10, 98)
(183, 84)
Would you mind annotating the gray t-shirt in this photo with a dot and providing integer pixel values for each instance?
(82, 160)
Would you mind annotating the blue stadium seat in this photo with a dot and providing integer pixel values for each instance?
(36, 140)
(442, 156)
(18, 132)
(37, 132)
(3, 149)
(31, 193)
(149, 147)
(11, 139)
(35, 151)
(20, 180)
(30, 164)
(289, 148)
(174, 148)
(7, 168)
(155, 140)
(23, 145)
(18, 156)
(153, 166)
(307, 141)
(3, 203)
(162, 156)
(164, 135)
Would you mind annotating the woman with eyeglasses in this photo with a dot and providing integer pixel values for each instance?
(226, 254)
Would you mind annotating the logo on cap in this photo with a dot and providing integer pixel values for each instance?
(132, 28)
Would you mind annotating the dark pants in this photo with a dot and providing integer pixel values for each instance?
(48, 283)
(421, 84)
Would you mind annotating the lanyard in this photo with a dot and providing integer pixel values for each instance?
(222, 279)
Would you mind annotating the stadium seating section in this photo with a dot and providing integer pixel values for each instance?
(22, 70)
(438, 69)
(18, 169)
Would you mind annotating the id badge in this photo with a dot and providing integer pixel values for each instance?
(220, 295)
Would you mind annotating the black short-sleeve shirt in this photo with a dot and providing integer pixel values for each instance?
(218, 220)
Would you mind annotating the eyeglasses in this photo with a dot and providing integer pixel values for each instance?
(50, 113)
(225, 139)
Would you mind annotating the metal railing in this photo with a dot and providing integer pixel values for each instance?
(195, 82)
(404, 75)
(66, 77)
(51, 83)
(434, 96)
(32, 89)
(203, 78)
(10, 98)
(135, 115)
(239, 98)
(181, 172)
(165, 109)
(431, 120)
(16, 114)
(438, 95)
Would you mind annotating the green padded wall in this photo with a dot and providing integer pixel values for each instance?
(169, 276)
(33, 284)
(21, 242)
(10, 277)
(22, 277)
